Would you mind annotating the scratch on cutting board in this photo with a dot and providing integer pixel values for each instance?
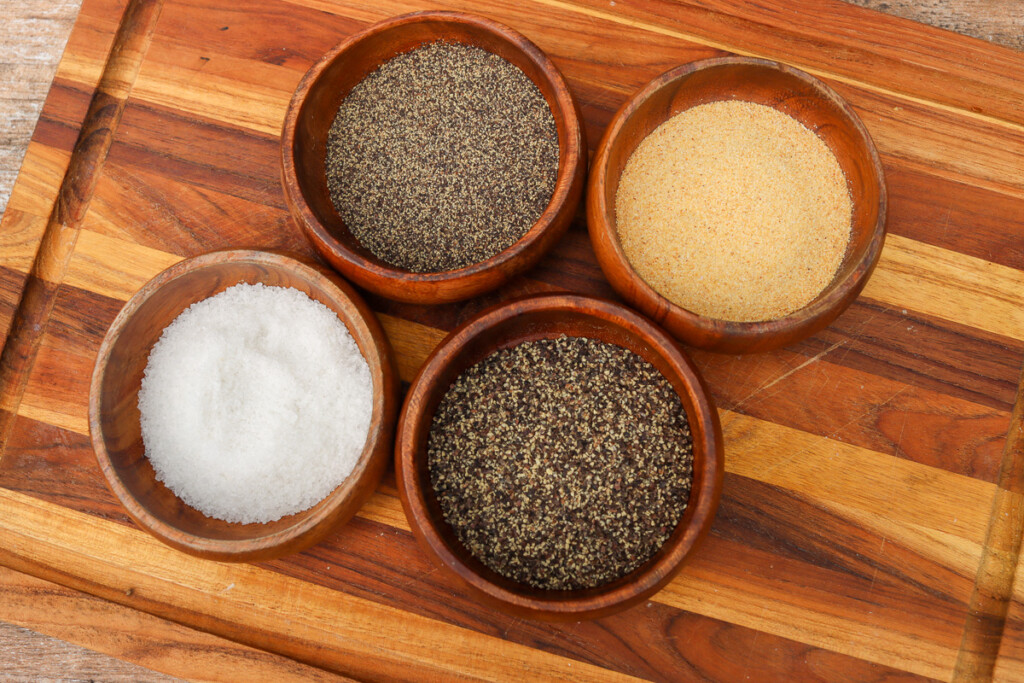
(786, 374)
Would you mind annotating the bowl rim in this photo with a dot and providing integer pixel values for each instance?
(819, 309)
(561, 604)
(314, 525)
(565, 108)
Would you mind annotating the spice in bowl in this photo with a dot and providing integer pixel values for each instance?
(442, 157)
(256, 403)
(735, 211)
(563, 463)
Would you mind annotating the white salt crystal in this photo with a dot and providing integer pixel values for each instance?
(255, 404)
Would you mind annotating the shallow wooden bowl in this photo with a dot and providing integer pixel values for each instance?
(528, 319)
(304, 148)
(788, 90)
(114, 412)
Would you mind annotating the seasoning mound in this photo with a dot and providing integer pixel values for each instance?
(735, 211)
(442, 157)
(561, 463)
(255, 404)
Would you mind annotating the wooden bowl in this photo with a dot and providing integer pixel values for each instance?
(304, 147)
(508, 325)
(114, 412)
(792, 92)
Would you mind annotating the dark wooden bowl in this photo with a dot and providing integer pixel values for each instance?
(788, 90)
(528, 319)
(114, 412)
(304, 147)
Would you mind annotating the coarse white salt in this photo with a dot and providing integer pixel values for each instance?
(255, 404)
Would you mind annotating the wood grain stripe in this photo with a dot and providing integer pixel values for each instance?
(832, 472)
(239, 92)
(137, 637)
(58, 240)
(252, 605)
(841, 58)
(993, 587)
(949, 285)
(20, 233)
(39, 181)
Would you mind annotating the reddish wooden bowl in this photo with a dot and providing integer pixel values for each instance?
(114, 412)
(528, 319)
(304, 147)
(788, 90)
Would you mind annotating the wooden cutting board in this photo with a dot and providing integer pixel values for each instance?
(871, 518)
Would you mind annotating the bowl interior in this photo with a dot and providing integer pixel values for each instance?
(357, 59)
(553, 322)
(784, 89)
(143, 321)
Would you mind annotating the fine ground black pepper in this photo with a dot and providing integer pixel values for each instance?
(442, 157)
(561, 463)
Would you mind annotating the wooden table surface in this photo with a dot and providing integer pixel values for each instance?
(32, 35)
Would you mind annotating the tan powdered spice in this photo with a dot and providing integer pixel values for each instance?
(734, 210)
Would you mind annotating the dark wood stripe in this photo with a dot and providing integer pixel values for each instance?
(208, 154)
(164, 212)
(61, 119)
(923, 351)
(993, 587)
(785, 524)
(953, 215)
(94, 140)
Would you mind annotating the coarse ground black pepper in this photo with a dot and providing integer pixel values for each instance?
(442, 157)
(561, 463)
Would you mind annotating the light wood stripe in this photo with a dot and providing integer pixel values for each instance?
(949, 285)
(20, 233)
(80, 68)
(112, 267)
(39, 179)
(88, 45)
(385, 508)
(73, 418)
(888, 487)
(353, 634)
(412, 343)
(244, 93)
